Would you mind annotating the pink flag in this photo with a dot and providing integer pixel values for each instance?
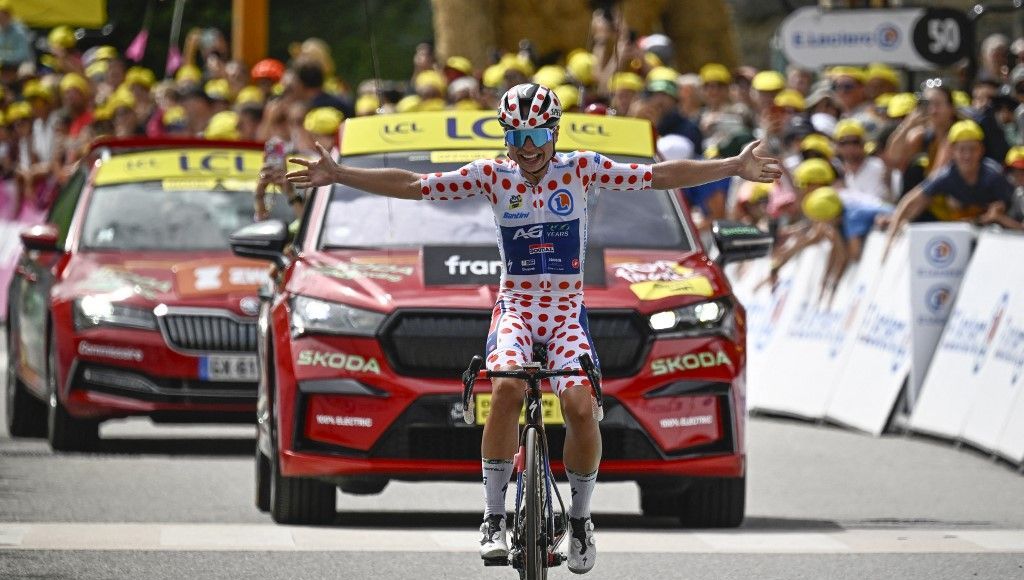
(138, 46)
(173, 60)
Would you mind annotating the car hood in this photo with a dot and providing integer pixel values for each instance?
(644, 280)
(193, 279)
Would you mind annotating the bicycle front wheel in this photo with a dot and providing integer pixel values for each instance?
(535, 544)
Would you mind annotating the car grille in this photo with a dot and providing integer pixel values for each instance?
(209, 332)
(440, 343)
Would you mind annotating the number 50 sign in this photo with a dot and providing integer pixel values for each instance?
(915, 38)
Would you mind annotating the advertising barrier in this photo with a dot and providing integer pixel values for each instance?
(14, 217)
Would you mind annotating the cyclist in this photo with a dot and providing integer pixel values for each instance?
(539, 199)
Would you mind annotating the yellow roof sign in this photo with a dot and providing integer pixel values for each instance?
(479, 130)
(179, 163)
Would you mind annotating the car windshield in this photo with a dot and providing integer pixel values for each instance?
(616, 219)
(152, 216)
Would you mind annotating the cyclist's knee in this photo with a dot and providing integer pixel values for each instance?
(577, 408)
(506, 395)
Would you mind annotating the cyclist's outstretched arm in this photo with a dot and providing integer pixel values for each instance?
(690, 172)
(391, 182)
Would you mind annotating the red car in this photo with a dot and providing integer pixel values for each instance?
(129, 300)
(382, 303)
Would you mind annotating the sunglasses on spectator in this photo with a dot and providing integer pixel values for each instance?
(843, 87)
(850, 142)
(518, 137)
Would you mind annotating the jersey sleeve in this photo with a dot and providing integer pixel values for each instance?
(604, 172)
(469, 180)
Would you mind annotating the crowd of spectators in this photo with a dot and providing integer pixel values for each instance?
(861, 146)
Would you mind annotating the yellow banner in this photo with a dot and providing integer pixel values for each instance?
(50, 13)
(180, 163)
(550, 409)
(450, 130)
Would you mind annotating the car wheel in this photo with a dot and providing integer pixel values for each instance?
(300, 500)
(716, 502)
(262, 481)
(66, 433)
(26, 415)
(364, 486)
(655, 502)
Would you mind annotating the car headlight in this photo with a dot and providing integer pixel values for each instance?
(312, 315)
(702, 319)
(94, 311)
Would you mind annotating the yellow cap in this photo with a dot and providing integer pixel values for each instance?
(965, 131)
(493, 76)
(580, 65)
(814, 172)
(883, 72)
(848, 128)
(74, 81)
(768, 81)
(334, 86)
(714, 72)
(519, 63)
(430, 79)
(432, 105)
(19, 111)
(901, 105)
(189, 73)
(549, 76)
(97, 68)
(759, 192)
(61, 36)
(790, 99)
(882, 101)
(822, 204)
(103, 112)
(961, 99)
(408, 104)
(122, 98)
(853, 72)
(35, 89)
(662, 73)
(139, 75)
(218, 89)
(626, 81)
(174, 116)
(223, 125)
(105, 52)
(467, 105)
(3, 119)
(367, 105)
(818, 143)
(323, 121)
(1015, 157)
(277, 89)
(459, 63)
(249, 96)
(569, 95)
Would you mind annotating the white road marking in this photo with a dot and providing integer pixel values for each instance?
(263, 537)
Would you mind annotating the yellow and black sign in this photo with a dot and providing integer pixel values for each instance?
(480, 130)
(551, 410)
(180, 164)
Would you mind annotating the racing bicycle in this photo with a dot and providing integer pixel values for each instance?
(538, 529)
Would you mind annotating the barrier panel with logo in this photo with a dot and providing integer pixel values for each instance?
(939, 254)
(972, 388)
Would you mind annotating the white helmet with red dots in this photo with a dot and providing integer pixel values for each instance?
(529, 106)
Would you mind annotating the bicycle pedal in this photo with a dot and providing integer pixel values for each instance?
(499, 561)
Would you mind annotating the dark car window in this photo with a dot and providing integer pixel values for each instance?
(617, 219)
(63, 208)
(145, 216)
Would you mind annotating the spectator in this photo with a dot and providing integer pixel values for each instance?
(199, 107)
(14, 43)
(250, 116)
(322, 125)
(799, 79)
(862, 174)
(223, 126)
(625, 89)
(1015, 173)
(918, 147)
(75, 92)
(310, 76)
(765, 85)
(995, 57)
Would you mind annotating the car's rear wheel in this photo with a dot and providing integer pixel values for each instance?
(26, 415)
(262, 481)
(713, 502)
(64, 432)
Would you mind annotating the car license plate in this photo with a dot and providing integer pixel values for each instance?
(229, 368)
(551, 410)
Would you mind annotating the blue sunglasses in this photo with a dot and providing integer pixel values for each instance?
(518, 137)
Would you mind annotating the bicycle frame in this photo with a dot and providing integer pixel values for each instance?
(552, 534)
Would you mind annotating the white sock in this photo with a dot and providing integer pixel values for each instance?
(582, 487)
(497, 474)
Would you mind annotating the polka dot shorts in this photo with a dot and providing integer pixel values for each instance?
(559, 321)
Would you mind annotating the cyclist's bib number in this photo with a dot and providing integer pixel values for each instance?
(551, 410)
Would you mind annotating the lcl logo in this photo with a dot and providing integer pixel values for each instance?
(399, 132)
(588, 129)
(486, 128)
(217, 161)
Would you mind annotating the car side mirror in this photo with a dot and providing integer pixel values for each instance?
(738, 241)
(262, 240)
(41, 237)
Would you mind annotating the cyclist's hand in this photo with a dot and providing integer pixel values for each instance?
(316, 173)
(754, 167)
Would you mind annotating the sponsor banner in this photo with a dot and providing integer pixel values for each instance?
(177, 164)
(878, 360)
(481, 265)
(974, 381)
(480, 131)
(912, 38)
(939, 254)
(219, 276)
